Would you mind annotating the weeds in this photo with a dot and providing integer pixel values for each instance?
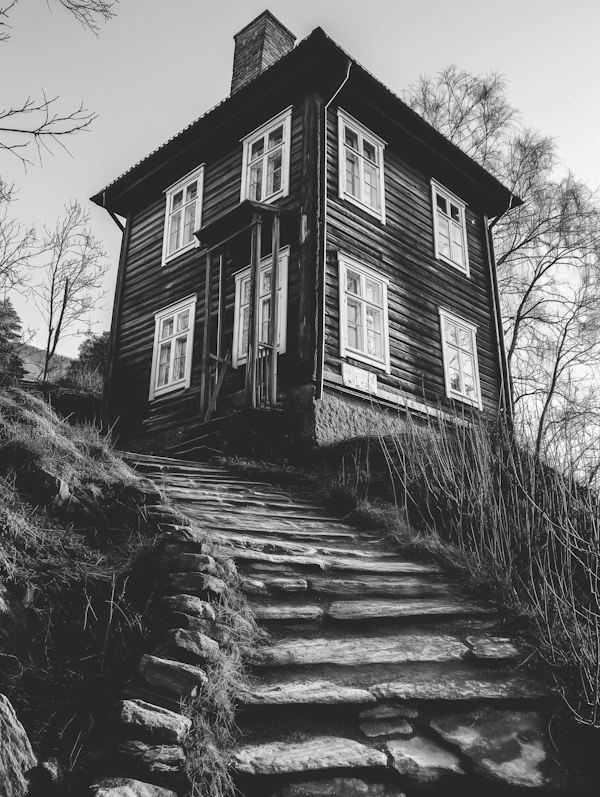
(514, 524)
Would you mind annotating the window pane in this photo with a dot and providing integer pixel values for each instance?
(266, 282)
(444, 236)
(454, 212)
(274, 173)
(373, 291)
(374, 332)
(351, 139)
(256, 181)
(257, 149)
(177, 201)
(246, 290)
(191, 192)
(369, 151)
(453, 369)
(451, 333)
(179, 359)
(468, 375)
(276, 137)
(353, 282)
(442, 204)
(174, 232)
(354, 325)
(352, 174)
(371, 196)
(167, 328)
(244, 344)
(458, 252)
(189, 223)
(183, 320)
(465, 339)
(265, 320)
(164, 360)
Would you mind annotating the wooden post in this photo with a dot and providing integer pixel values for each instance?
(253, 312)
(205, 380)
(220, 314)
(273, 329)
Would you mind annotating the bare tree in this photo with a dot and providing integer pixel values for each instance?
(36, 122)
(72, 284)
(548, 261)
(17, 244)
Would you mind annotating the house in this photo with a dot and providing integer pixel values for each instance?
(309, 256)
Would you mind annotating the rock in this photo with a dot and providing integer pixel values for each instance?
(128, 787)
(377, 585)
(152, 721)
(194, 584)
(47, 779)
(287, 612)
(389, 710)
(296, 692)
(188, 563)
(390, 727)
(16, 753)
(286, 585)
(339, 787)
(364, 610)
(362, 650)
(493, 647)
(188, 604)
(160, 758)
(175, 545)
(321, 752)
(502, 687)
(191, 647)
(508, 746)
(253, 586)
(171, 676)
(422, 760)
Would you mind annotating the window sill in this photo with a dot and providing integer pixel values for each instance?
(465, 400)
(349, 354)
(463, 269)
(159, 392)
(182, 251)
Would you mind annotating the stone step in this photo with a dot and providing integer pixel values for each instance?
(362, 650)
(242, 500)
(269, 545)
(371, 564)
(379, 609)
(287, 611)
(318, 753)
(340, 787)
(370, 586)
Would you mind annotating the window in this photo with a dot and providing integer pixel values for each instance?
(173, 340)
(450, 228)
(459, 346)
(363, 314)
(266, 160)
(242, 307)
(361, 166)
(184, 210)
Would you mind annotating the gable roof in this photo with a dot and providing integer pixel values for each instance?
(316, 47)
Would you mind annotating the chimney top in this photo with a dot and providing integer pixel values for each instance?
(257, 46)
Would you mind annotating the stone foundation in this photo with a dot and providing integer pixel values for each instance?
(340, 417)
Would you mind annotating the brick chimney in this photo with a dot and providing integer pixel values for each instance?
(257, 46)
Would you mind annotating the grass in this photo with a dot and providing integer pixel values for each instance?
(72, 541)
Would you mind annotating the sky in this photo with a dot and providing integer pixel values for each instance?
(158, 65)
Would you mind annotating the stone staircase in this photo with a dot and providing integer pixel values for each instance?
(374, 676)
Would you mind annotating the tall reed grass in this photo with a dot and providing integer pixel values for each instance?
(520, 527)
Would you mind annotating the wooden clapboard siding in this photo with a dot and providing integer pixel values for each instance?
(403, 250)
(148, 287)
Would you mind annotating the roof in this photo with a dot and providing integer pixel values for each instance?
(317, 43)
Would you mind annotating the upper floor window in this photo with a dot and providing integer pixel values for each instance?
(241, 317)
(173, 341)
(459, 348)
(266, 160)
(361, 165)
(183, 215)
(363, 314)
(450, 227)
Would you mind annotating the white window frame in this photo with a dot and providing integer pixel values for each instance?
(364, 135)
(189, 303)
(454, 226)
(282, 119)
(346, 263)
(446, 317)
(195, 176)
(239, 354)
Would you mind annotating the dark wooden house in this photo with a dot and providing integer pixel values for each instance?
(309, 252)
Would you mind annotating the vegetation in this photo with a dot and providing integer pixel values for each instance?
(11, 364)
(86, 372)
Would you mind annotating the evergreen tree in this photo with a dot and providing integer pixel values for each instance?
(11, 365)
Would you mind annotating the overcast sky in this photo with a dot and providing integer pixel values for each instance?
(161, 63)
